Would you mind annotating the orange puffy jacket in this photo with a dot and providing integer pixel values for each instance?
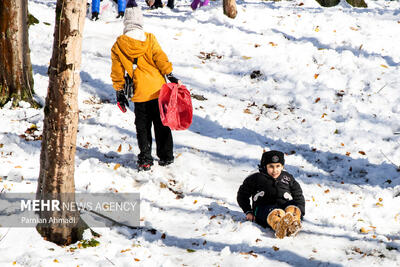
(152, 65)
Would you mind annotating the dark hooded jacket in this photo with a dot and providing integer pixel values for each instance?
(267, 191)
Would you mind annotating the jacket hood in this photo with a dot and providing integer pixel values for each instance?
(132, 48)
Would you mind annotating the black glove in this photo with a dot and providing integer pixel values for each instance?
(121, 100)
(172, 78)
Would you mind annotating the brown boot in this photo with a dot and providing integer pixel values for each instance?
(274, 220)
(295, 225)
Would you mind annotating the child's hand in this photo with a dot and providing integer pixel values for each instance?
(250, 217)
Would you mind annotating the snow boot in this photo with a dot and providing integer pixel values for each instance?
(120, 15)
(150, 3)
(295, 226)
(165, 162)
(95, 16)
(157, 4)
(275, 220)
(171, 4)
(204, 3)
(144, 166)
(195, 4)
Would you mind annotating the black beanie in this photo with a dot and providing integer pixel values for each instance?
(272, 156)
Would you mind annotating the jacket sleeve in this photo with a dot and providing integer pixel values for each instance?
(245, 192)
(298, 197)
(117, 69)
(160, 58)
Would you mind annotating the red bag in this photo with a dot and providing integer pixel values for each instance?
(175, 106)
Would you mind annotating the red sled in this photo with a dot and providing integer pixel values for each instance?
(175, 105)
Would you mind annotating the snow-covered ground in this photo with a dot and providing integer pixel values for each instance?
(328, 95)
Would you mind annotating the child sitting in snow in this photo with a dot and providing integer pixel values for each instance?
(277, 198)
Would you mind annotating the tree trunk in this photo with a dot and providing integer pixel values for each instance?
(57, 158)
(230, 8)
(16, 80)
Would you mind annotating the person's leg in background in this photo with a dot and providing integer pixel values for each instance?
(121, 8)
(95, 9)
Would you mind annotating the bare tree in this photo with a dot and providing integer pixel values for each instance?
(230, 9)
(57, 158)
(16, 80)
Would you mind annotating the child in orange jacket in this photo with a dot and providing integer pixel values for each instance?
(148, 77)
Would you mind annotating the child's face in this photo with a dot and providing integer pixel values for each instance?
(274, 169)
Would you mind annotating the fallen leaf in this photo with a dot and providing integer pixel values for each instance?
(14, 262)
(316, 75)
(380, 199)
(313, 199)
(119, 148)
(364, 231)
(258, 240)
(317, 100)
(275, 248)
(347, 153)
(355, 205)
(336, 131)
(125, 250)
(247, 111)
(162, 185)
(384, 66)
(1, 145)
(354, 29)
(316, 29)
(163, 236)
(55, 260)
(18, 167)
(194, 202)
(272, 44)
(222, 106)
(256, 45)
(246, 57)
(326, 191)
(136, 259)
(190, 250)
(130, 148)
(379, 204)
(323, 115)
(373, 236)
(117, 166)
(361, 152)
(341, 144)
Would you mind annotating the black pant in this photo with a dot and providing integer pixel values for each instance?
(147, 113)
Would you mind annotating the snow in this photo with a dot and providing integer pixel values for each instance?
(328, 96)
